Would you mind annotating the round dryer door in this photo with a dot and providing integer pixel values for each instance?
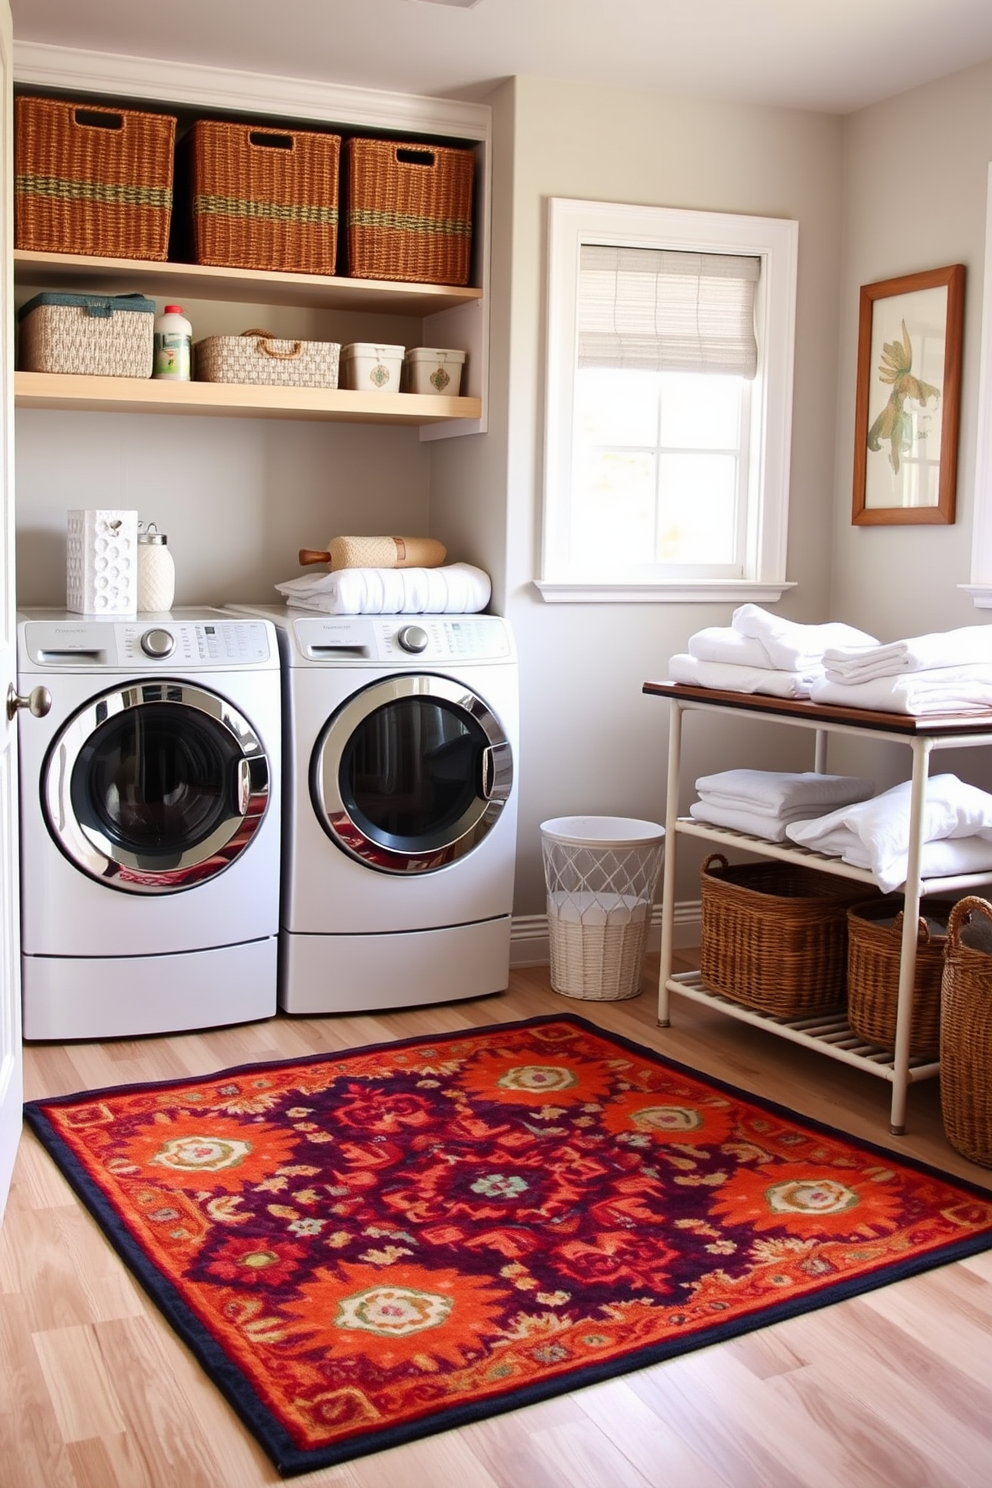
(155, 787)
(411, 773)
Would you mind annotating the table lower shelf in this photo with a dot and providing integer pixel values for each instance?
(829, 1034)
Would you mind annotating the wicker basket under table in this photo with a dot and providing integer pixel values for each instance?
(774, 935)
(409, 211)
(874, 957)
(92, 180)
(966, 1033)
(265, 199)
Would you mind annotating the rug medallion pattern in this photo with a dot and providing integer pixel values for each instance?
(366, 1247)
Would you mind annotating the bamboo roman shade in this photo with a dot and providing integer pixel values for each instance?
(667, 311)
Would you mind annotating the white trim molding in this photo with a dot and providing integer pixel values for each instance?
(980, 587)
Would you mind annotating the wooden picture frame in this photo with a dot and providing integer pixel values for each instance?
(908, 399)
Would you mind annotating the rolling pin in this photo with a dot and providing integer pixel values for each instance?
(377, 552)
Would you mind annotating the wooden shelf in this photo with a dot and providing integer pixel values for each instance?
(77, 272)
(148, 395)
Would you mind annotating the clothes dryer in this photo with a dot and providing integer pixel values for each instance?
(150, 823)
(399, 809)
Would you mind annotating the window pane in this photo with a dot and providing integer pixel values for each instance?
(699, 411)
(698, 509)
(616, 407)
(613, 517)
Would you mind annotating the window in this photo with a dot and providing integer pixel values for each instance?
(670, 344)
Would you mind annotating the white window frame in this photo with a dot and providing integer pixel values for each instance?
(775, 241)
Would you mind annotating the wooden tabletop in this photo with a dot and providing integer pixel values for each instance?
(826, 713)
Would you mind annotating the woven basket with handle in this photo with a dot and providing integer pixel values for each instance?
(409, 211)
(774, 935)
(259, 358)
(874, 956)
(966, 1030)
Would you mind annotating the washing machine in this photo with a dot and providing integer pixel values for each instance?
(399, 812)
(150, 811)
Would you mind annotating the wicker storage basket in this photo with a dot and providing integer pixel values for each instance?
(774, 935)
(874, 954)
(265, 198)
(966, 1031)
(409, 211)
(92, 180)
(95, 335)
(257, 357)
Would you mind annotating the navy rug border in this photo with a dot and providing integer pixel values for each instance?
(291, 1460)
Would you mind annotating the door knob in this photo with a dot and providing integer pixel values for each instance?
(38, 701)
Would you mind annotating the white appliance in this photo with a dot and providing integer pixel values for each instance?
(399, 810)
(150, 823)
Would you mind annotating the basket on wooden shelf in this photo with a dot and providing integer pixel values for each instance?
(966, 1030)
(264, 199)
(91, 335)
(92, 180)
(874, 956)
(258, 358)
(774, 935)
(409, 211)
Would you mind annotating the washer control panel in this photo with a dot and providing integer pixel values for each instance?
(146, 643)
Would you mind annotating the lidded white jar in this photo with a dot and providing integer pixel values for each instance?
(156, 571)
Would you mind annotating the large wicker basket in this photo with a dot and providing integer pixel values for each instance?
(92, 180)
(774, 935)
(874, 956)
(265, 198)
(409, 211)
(966, 1031)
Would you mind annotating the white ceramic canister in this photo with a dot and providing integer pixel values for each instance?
(173, 345)
(156, 571)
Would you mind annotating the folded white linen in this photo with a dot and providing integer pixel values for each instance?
(943, 859)
(962, 689)
(723, 643)
(739, 819)
(730, 678)
(949, 648)
(792, 646)
(783, 792)
(455, 588)
(953, 809)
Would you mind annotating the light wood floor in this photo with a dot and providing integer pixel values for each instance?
(893, 1388)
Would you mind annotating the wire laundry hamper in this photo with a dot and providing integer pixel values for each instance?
(600, 873)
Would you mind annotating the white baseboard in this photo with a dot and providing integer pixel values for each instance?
(529, 934)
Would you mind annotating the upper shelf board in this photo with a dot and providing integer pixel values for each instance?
(78, 272)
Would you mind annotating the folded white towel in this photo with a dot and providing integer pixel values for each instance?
(456, 588)
(949, 648)
(953, 809)
(730, 678)
(962, 689)
(739, 819)
(792, 646)
(944, 859)
(783, 793)
(723, 643)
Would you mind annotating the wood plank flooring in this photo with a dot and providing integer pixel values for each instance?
(889, 1390)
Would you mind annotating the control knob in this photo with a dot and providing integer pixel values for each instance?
(158, 642)
(413, 638)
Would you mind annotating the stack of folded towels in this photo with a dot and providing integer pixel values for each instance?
(455, 588)
(761, 652)
(946, 672)
(874, 834)
(766, 802)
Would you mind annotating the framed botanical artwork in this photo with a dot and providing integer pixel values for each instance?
(908, 398)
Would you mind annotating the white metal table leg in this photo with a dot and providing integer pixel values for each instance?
(921, 748)
(668, 880)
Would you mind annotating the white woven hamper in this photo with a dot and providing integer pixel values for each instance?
(600, 873)
(259, 359)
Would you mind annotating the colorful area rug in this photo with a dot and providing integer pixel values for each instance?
(368, 1247)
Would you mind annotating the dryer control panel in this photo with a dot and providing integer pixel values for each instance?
(402, 639)
(146, 642)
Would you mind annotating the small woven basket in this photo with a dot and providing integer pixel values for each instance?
(265, 198)
(92, 180)
(874, 955)
(258, 358)
(92, 335)
(966, 1031)
(409, 211)
(774, 935)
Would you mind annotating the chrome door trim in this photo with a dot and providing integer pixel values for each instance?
(492, 791)
(108, 861)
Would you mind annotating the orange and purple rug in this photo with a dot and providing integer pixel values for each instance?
(364, 1248)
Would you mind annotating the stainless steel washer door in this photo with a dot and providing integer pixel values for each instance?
(155, 786)
(411, 773)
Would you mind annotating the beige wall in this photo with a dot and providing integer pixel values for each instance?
(591, 741)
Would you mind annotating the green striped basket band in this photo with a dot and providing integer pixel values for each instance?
(406, 222)
(106, 193)
(232, 206)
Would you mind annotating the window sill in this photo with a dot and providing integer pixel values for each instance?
(702, 591)
(981, 595)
